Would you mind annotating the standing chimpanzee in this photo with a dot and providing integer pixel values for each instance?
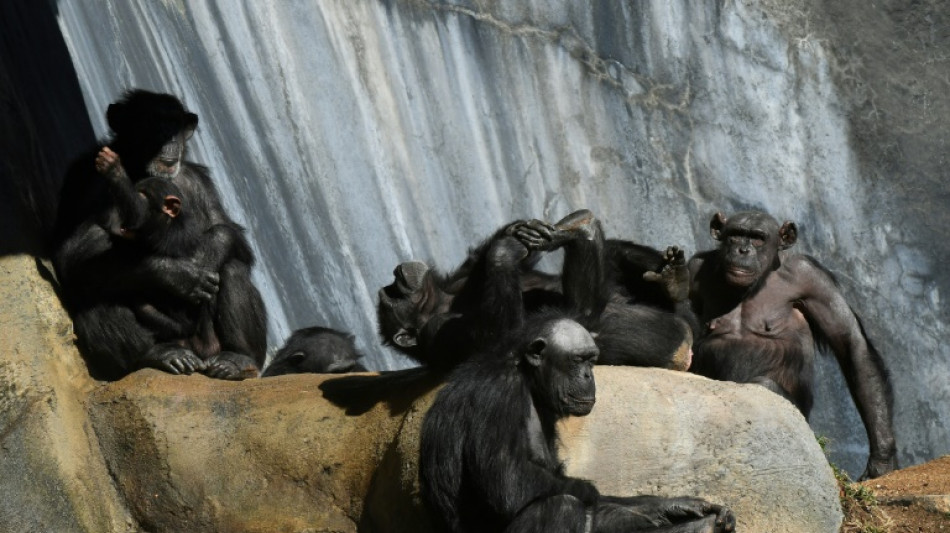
(316, 350)
(98, 270)
(488, 458)
(440, 319)
(764, 309)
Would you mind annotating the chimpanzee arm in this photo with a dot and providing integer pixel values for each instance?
(88, 262)
(583, 277)
(836, 323)
(521, 481)
(221, 243)
(132, 207)
(649, 512)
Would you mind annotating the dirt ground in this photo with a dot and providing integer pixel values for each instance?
(911, 500)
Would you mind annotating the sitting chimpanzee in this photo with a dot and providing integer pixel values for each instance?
(316, 350)
(488, 458)
(764, 309)
(155, 223)
(440, 319)
(98, 268)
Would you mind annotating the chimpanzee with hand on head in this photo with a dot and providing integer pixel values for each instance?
(488, 457)
(103, 274)
(440, 319)
(764, 309)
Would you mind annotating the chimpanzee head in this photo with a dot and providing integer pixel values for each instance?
(749, 245)
(407, 304)
(558, 359)
(150, 131)
(164, 206)
(316, 350)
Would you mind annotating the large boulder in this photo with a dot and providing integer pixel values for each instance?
(188, 453)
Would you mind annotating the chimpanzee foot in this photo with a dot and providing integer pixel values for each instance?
(231, 366)
(172, 358)
(673, 275)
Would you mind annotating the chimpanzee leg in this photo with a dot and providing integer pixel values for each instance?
(558, 514)
(240, 318)
(111, 339)
(583, 277)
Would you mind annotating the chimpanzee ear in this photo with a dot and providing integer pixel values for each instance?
(404, 339)
(788, 235)
(716, 224)
(171, 206)
(191, 123)
(534, 355)
(116, 117)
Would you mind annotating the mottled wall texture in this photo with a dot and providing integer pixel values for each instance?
(351, 135)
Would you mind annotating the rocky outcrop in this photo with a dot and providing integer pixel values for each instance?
(52, 473)
(155, 452)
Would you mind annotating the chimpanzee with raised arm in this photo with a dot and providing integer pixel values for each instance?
(439, 319)
(764, 309)
(103, 274)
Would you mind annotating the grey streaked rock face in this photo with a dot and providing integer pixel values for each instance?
(351, 136)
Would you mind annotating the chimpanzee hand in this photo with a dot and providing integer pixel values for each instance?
(109, 164)
(533, 234)
(878, 466)
(674, 274)
(686, 509)
(232, 366)
(172, 359)
(187, 280)
(583, 490)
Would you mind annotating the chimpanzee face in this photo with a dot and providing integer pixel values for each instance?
(749, 245)
(167, 163)
(407, 304)
(562, 358)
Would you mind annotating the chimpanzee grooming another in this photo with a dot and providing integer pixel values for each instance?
(103, 274)
(488, 459)
(316, 350)
(764, 309)
(440, 319)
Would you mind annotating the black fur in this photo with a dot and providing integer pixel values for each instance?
(488, 458)
(103, 274)
(316, 350)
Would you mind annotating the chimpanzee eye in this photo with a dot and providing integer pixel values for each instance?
(758, 241)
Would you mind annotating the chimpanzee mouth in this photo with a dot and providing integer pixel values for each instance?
(739, 272)
(571, 399)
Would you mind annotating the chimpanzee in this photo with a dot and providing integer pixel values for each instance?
(440, 319)
(764, 309)
(316, 350)
(155, 223)
(488, 456)
(98, 269)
